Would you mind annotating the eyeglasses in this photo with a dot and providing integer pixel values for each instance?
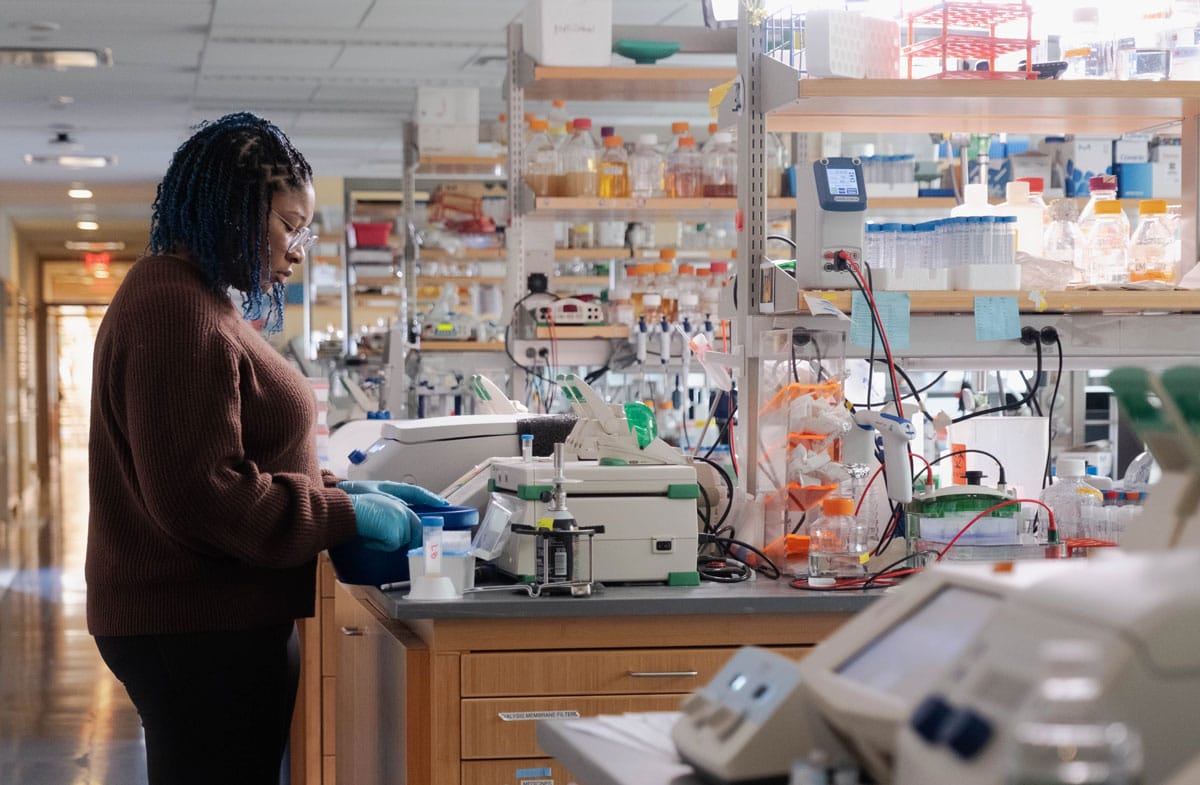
(302, 238)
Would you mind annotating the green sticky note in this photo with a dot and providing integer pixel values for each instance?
(894, 310)
(997, 319)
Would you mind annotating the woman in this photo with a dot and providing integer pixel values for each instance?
(208, 508)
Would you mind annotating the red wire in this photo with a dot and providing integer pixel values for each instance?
(887, 348)
(1050, 525)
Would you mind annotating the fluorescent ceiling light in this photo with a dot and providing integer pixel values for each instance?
(79, 193)
(50, 57)
(72, 161)
(87, 226)
(92, 247)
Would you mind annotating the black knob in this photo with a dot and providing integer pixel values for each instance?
(967, 733)
(929, 717)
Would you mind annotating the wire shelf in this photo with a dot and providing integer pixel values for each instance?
(975, 16)
(967, 47)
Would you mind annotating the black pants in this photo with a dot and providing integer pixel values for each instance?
(216, 706)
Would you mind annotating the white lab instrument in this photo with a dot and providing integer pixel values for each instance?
(648, 514)
(895, 433)
(921, 687)
(490, 399)
(830, 204)
(569, 311)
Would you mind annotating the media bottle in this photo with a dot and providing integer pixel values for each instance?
(1064, 733)
(646, 168)
(1152, 247)
(685, 171)
(1030, 224)
(1063, 241)
(614, 169)
(1068, 497)
(581, 161)
(543, 167)
(720, 167)
(838, 543)
(1106, 245)
(557, 123)
(1102, 188)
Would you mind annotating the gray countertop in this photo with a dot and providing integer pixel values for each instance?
(758, 596)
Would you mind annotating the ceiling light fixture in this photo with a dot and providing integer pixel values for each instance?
(48, 57)
(87, 226)
(72, 161)
(77, 191)
(86, 246)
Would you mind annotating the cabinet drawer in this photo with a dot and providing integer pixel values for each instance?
(519, 771)
(507, 727)
(610, 672)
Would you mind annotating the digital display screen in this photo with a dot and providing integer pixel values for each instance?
(906, 659)
(842, 182)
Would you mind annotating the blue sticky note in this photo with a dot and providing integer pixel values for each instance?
(293, 294)
(894, 315)
(997, 319)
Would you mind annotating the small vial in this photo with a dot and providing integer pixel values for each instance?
(431, 543)
(527, 448)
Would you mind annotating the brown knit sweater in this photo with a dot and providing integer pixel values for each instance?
(208, 507)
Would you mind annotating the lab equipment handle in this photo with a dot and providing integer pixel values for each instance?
(353, 632)
(663, 674)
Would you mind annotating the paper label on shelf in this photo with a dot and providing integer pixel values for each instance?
(527, 716)
(997, 319)
(819, 306)
(1038, 298)
(894, 316)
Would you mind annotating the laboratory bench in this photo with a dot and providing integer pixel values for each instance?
(449, 693)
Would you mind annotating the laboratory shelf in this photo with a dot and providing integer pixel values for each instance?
(637, 208)
(600, 254)
(581, 280)
(461, 280)
(981, 105)
(620, 83)
(1040, 301)
(574, 331)
(461, 346)
(466, 254)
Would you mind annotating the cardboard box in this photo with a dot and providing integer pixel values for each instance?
(1134, 181)
(1079, 158)
(1132, 149)
(448, 139)
(568, 32)
(448, 106)
(1031, 164)
(1166, 172)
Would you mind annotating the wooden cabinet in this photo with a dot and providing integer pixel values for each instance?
(455, 701)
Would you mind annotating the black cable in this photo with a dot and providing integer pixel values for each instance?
(787, 240)
(772, 572)
(800, 523)
(875, 321)
(723, 428)
(707, 517)
(1008, 407)
(1000, 479)
(1050, 415)
(883, 572)
(914, 392)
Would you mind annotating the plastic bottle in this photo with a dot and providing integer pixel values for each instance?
(685, 171)
(543, 166)
(1067, 497)
(837, 543)
(678, 131)
(581, 161)
(1063, 240)
(1151, 256)
(642, 285)
(720, 167)
(614, 169)
(666, 283)
(713, 128)
(1036, 191)
(1029, 217)
(1106, 249)
(975, 202)
(1087, 50)
(774, 153)
(646, 168)
(1103, 188)
(556, 123)
(1064, 733)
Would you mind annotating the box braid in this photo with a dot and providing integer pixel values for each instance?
(214, 204)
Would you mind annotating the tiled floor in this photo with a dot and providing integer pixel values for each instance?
(64, 719)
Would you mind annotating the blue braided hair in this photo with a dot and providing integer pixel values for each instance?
(214, 203)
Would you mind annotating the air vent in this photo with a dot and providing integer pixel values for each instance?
(39, 57)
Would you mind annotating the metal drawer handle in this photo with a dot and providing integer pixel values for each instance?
(663, 674)
(352, 631)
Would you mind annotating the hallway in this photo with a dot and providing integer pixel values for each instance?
(64, 719)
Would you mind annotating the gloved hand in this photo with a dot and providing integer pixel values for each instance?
(409, 494)
(384, 522)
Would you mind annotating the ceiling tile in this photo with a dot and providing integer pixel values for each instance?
(246, 89)
(283, 14)
(273, 56)
(489, 16)
(403, 60)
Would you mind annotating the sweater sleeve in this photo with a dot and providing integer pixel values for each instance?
(179, 382)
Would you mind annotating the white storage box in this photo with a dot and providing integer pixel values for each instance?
(912, 279)
(568, 32)
(986, 277)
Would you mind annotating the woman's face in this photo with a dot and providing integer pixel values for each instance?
(291, 213)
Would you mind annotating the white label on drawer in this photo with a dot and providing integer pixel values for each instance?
(537, 782)
(525, 716)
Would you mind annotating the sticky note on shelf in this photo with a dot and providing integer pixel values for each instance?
(997, 319)
(894, 316)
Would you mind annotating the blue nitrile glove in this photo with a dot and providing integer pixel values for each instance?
(385, 522)
(409, 494)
